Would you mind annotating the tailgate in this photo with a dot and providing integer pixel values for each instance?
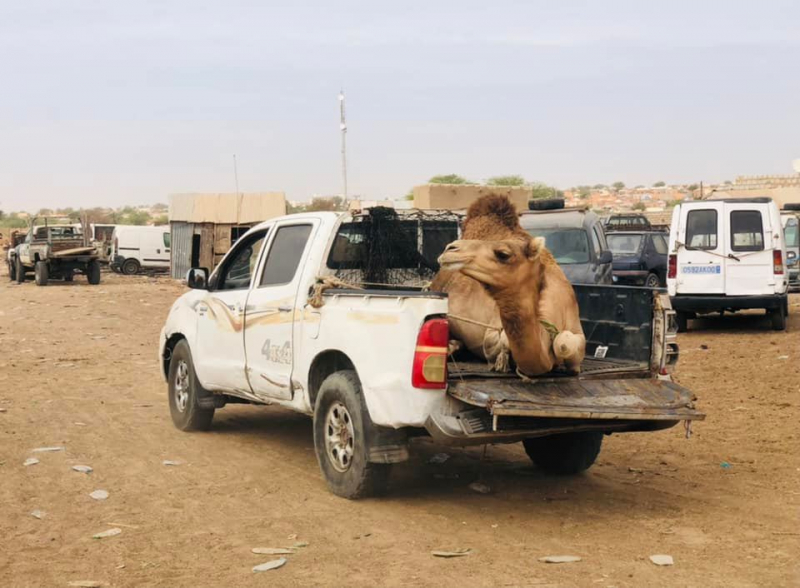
(621, 399)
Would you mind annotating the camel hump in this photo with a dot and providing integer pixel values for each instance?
(497, 206)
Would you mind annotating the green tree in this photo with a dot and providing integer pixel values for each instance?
(638, 206)
(541, 190)
(44, 212)
(161, 219)
(673, 203)
(618, 186)
(692, 187)
(409, 196)
(449, 179)
(506, 181)
(659, 184)
(583, 192)
(599, 187)
(320, 204)
(136, 217)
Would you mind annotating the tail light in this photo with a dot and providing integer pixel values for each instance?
(672, 269)
(430, 356)
(777, 262)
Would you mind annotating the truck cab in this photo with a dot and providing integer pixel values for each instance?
(790, 219)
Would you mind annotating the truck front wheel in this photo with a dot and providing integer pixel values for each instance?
(41, 273)
(185, 392)
(341, 439)
(12, 270)
(566, 454)
(93, 272)
(20, 273)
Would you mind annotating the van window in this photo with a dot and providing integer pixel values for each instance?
(285, 254)
(167, 240)
(701, 229)
(747, 233)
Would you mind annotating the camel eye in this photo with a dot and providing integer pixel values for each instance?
(502, 255)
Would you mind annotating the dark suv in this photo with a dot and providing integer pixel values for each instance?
(640, 257)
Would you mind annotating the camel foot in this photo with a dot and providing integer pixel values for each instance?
(503, 362)
(569, 346)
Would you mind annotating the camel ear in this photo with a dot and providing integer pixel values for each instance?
(534, 248)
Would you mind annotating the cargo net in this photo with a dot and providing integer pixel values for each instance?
(386, 248)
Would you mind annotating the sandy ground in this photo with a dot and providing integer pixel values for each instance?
(78, 370)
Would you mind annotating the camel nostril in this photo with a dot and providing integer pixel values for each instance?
(451, 247)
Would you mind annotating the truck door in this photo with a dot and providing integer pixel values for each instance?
(748, 245)
(701, 250)
(271, 309)
(219, 349)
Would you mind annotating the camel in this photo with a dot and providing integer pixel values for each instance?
(474, 318)
(534, 302)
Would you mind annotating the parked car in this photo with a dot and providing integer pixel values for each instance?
(55, 251)
(791, 234)
(136, 247)
(371, 365)
(727, 255)
(576, 238)
(640, 257)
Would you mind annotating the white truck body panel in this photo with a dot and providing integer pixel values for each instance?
(150, 246)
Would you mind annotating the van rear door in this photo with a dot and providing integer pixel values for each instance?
(701, 250)
(748, 245)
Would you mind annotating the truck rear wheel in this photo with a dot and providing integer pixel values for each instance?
(777, 317)
(185, 392)
(20, 273)
(566, 454)
(652, 281)
(130, 267)
(93, 272)
(341, 439)
(41, 273)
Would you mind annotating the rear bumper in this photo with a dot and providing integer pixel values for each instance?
(689, 303)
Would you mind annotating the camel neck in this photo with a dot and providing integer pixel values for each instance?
(528, 340)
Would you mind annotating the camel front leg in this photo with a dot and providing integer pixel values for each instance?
(569, 349)
(496, 350)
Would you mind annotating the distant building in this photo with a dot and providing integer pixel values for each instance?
(204, 226)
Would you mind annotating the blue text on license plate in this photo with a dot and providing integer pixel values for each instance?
(701, 269)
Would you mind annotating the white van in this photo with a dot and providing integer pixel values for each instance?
(727, 255)
(136, 247)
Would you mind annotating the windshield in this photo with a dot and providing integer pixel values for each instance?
(624, 244)
(567, 245)
(791, 234)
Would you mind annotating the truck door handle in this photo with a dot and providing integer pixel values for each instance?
(285, 309)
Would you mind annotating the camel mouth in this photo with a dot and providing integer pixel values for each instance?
(452, 266)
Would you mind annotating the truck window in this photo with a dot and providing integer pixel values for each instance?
(567, 245)
(660, 243)
(285, 254)
(701, 229)
(167, 240)
(598, 248)
(791, 233)
(747, 233)
(41, 233)
(625, 244)
(239, 268)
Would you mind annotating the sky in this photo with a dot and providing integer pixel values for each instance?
(113, 103)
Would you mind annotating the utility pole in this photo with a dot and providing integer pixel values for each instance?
(343, 128)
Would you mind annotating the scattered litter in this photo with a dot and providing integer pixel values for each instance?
(292, 536)
(636, 470)
(556, 559)
(109, 533)
(725, 465)
(99, 494)
(662, 560)
(120, 566)
(455, 553)
(300, 544)
(79, 424)
(143, 406)
(84, 469)
(39, 514)
(46, 449)
(3, 410)
(270, 565)
(783, 357)
(495, 526)
(169, 462)
(30, 461)
(272, 550)
(480, 487)
(123, 525)
(364, 536)
(86, 584)
(439, 458)
(703, 346)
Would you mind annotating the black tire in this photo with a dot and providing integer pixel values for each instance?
(68, 277)
(682, 320)
(20, 273)
(777, 317)
(185, 392)
(351, 475)
(12, 271)
(652, 281)
(131, 267)
(93, 272)
(546, 204)
(568, 454)
(41, 273)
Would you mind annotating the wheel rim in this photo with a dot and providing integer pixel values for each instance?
(652, 282)
(182, 386)
(339, 437)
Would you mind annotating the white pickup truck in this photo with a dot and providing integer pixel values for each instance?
(371, 364)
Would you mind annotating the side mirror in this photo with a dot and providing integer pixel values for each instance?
(605, 257)
(197, 278)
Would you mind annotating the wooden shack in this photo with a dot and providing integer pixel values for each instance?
(204, 226)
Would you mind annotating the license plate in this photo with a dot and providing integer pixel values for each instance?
(701, 269)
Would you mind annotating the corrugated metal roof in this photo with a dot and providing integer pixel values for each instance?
(227, 208)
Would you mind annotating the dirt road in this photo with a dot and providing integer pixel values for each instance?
(78, 370)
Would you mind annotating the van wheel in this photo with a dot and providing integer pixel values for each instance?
(93, 272)
(341, 429)
(682, 321)
(20, 273)
(777, 317)
(130, 267)
(41, 273)
(185, 392)
(564, 455)
(652, 281)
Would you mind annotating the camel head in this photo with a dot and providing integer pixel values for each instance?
(498, 265)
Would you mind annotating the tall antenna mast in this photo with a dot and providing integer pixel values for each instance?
(343, 128)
